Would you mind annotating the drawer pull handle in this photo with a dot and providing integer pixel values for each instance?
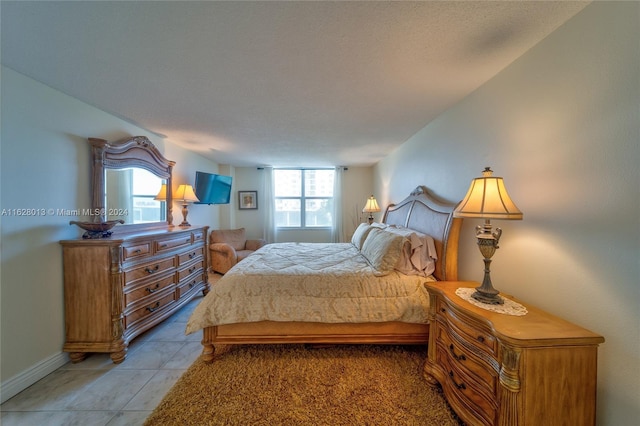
(153, 290)
(137, 251)
(192, 269)
(150, 270)
(461, 386)
(460, 357)
(154, 307)
(163, 245)
(480, 339)
(192, 255)
(192, 284)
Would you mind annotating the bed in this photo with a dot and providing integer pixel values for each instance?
(242, 318)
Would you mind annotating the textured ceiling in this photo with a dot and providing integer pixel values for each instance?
(274, 83)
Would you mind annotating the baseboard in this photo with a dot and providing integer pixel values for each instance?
(20, 382)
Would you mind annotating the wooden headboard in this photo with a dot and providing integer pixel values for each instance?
(422, 212)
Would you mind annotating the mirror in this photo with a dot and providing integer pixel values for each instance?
(127, 176)
(130, 195)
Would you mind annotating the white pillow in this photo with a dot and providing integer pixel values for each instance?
(382, 250)
(360, 234)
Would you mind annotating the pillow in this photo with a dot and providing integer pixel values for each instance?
(360, 234)
(382, 250)
(418, 254)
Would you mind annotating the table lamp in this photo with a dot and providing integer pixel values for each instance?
(487, 199)
(371, 207)
(185, 195)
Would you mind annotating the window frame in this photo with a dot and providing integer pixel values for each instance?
(303, 198)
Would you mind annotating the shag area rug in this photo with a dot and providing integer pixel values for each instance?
(306, 385)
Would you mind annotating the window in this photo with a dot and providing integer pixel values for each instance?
(303, 198)
(144, 189)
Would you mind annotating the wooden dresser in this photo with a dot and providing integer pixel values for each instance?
(116, 288)
(498, 369)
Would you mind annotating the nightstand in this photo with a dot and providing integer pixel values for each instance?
(501, 369)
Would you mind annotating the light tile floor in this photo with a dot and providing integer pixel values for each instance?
(97, 392)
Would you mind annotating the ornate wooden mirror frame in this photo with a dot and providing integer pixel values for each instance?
(137, 151)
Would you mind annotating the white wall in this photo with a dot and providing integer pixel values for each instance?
(45, 165)
(561, 125)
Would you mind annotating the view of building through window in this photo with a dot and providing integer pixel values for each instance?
(145, 187)
(304, 198)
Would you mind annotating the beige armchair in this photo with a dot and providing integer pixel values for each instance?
(228, 247)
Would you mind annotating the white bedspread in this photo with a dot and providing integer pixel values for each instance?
(310, 282)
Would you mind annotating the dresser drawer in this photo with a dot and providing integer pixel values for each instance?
(190, 269)
(173, 243)
(188, 285)
(149, 309)
(480, 405)
(135, 251)
(190, 255)
(148, 289)
(149, 269)
(476, 365)
(199, 236)
(480, 336)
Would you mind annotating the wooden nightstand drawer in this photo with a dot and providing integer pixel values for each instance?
(154, 268)
(476, 333)
(476, 365)
(190, 255)
(466, 390)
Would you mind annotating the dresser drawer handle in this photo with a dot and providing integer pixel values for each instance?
(192, 255)
(137, 251)
(192, 269)
(191, 284)
(458, 385)
(460, 357)
(153, 290)
(154, 307)
(150, 270)
(163, 245)
(480, 339)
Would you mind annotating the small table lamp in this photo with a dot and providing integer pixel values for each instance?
(185, 195)
(371, 207)
(487, 199)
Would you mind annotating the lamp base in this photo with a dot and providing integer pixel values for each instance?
(185, 212)
(489, 299)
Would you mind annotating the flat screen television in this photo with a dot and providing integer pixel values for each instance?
(212, 188)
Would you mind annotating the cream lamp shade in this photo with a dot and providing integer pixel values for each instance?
(487, 199)
(371, 207)
(162, 194)
(185, 195)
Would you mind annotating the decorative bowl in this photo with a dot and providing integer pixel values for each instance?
(97, 229)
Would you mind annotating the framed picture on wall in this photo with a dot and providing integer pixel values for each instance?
(248, 200)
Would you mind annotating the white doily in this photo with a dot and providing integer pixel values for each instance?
(509, 307)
